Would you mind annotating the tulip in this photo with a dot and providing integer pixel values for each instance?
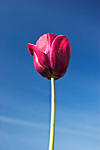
(51, 55)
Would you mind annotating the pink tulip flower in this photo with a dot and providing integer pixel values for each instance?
(51, 55)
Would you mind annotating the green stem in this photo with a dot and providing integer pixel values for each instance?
(52, 127)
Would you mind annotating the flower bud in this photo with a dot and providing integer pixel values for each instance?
(51, 55)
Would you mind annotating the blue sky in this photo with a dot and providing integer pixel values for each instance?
(25, 95)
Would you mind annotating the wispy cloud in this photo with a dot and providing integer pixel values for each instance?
(22, 122)
(81, 131)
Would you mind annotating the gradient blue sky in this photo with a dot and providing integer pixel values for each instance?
(25, 95)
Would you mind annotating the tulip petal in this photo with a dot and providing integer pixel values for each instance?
(31, 48)
(45, 41)
(41, 61)
(60, 56)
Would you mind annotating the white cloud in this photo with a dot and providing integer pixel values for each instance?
(81, 131)
(21, 122)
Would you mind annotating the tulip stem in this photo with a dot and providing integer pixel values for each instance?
(52, 127)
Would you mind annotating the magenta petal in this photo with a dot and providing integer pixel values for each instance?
(60, 56)
(45, 41)
(31, 48)
(51, 37)
(40, 61)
